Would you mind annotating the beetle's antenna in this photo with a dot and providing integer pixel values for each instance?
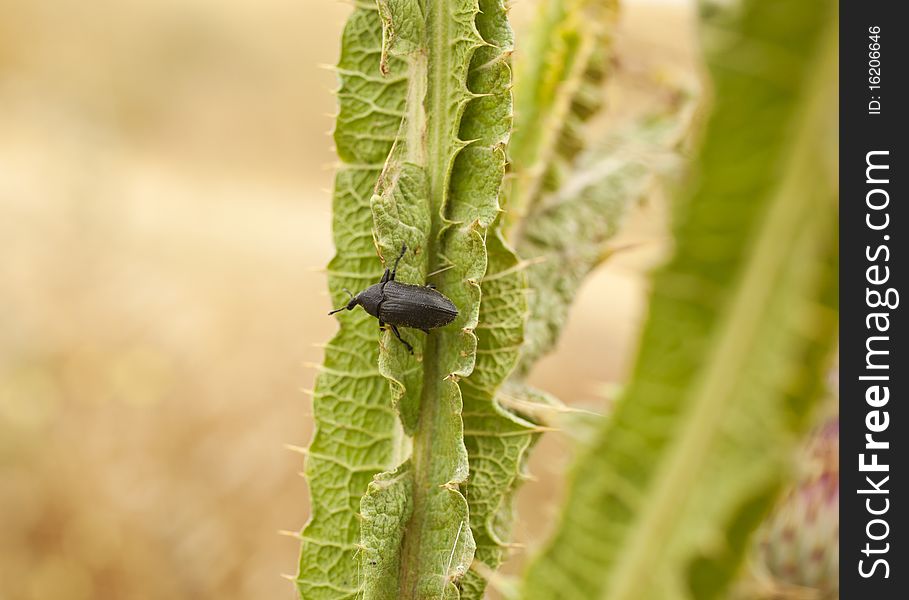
(400, 256)
(347, 306)
(436, 272)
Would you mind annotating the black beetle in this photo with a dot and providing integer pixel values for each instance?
(401, 304)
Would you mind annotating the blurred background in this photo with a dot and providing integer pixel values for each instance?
(164, 218)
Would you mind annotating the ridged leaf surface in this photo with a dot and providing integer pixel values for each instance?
(356, 426)
(438, 194)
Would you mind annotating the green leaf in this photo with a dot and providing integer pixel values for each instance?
(438, 194)
(742, 320)
(356, 432)
(559, 77)
(568, 236)
(496, 439)
(590, 206)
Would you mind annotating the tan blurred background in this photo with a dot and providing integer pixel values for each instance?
(164, 216)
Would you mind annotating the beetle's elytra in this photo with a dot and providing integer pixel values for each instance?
(403, 305)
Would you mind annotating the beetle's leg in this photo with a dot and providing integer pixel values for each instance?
(397, 333)
(431, 286)
(381, 325)
(394, 270)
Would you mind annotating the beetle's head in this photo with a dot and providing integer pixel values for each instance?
(350, 305)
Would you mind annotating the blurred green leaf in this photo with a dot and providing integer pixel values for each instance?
(559, 78)
(741, 324)
(568, 235)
